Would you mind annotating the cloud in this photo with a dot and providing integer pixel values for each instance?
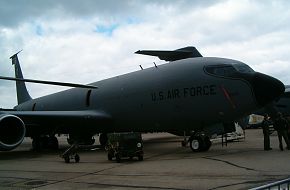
(15, 13)
(86, 41)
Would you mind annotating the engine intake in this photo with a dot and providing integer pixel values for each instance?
(12, 132)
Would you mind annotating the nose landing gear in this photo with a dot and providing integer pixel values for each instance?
(198, 142)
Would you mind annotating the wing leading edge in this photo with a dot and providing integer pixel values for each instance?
(49, 82)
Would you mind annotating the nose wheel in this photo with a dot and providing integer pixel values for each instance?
(199, 143)
(195, 144)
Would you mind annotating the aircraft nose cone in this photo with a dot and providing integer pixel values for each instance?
(266, 88)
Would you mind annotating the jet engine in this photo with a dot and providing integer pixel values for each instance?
(12, 132)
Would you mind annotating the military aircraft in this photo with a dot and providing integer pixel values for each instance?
(190, 95)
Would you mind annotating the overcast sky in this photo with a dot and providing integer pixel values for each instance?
(84, 41)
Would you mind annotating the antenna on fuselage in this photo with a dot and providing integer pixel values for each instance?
(141, 67)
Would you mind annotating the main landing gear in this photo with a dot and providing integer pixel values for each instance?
(198, 142)
(44, 142)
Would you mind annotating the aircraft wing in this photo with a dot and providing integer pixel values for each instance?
(48, 82)
(182, 53)
(88, 121)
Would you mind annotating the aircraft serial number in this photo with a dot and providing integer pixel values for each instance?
(206, 90)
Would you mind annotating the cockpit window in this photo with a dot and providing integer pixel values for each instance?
(228, 70)
(221, 70)
(243, 68)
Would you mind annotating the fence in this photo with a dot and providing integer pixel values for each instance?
(278, 185)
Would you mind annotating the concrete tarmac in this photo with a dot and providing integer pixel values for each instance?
(167, 165)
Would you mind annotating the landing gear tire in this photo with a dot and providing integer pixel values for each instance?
(199, 143)
(196, 144)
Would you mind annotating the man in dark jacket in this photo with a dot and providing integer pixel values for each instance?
(281, 126)
(265, 125)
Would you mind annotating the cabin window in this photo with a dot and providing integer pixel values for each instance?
(88, 98)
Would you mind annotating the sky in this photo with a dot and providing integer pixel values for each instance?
(83, 41)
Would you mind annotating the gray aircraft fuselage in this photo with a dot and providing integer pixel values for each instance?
(182, 95)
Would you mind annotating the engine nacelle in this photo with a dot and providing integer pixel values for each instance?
(12, 132)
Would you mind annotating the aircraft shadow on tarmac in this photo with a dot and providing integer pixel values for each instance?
(16, 155)
(28, 153)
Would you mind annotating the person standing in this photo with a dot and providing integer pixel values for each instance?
(265, 125)
(281, 126)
